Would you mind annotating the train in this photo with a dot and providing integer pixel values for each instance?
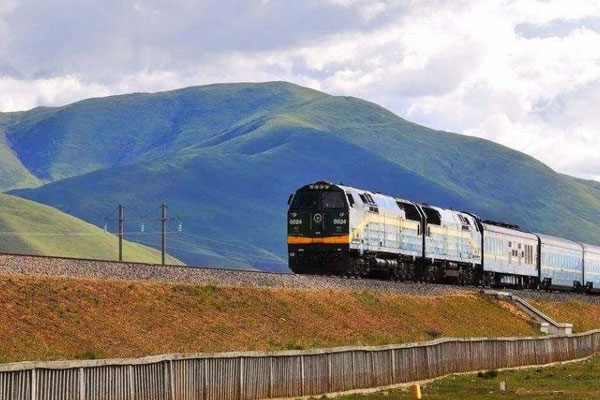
(333, 229)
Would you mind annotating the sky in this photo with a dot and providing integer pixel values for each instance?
(522, 73)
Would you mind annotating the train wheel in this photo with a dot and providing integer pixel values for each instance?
(398, 272)
(431, 274)
(465, 276)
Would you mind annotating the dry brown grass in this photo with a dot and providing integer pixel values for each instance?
(51, 318)
(583, 315)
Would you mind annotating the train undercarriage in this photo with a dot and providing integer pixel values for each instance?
(342, 261)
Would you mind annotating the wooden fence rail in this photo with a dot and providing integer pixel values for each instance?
(255, 375)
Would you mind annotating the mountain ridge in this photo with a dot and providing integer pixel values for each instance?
(227, 155)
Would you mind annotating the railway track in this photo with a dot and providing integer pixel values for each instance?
(202, 275)
(99, 269)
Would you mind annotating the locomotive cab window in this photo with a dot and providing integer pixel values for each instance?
(433, 216)
(410, 210)
(306, 199)
(332, 199)
(350, 199)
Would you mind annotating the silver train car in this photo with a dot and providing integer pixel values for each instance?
(510, 256)
(591, 270)
(342, 230)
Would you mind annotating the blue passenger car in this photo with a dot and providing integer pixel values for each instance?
(591, 268)
(561, 263)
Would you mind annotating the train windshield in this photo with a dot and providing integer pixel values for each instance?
(332, 200)
(314, 199)
(306, 199)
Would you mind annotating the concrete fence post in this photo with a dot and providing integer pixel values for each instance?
(81, 376)
(166, 381)
(271, 377)
(172, 379)
(241, 394)
(329, 373)
(302, 383)
(131, 383)
(373, 380)
(393, 358)
(34, 384)
(353, 370)
(205, 379)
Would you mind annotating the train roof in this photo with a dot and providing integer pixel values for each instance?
(502, 229)
(560, 242)
(590, 248)
(446, 215)
(497, 226)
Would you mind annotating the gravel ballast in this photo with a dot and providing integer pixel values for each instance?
(95, 269)
(92, 269)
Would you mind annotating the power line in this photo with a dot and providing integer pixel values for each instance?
(256, 251)
(221, 241)
(240, 258)
(255, 256)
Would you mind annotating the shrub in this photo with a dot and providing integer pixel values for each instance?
(487, 374)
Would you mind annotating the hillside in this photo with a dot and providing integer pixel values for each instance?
(13, 172)
(584, 315)
(226, 157)
(50, 318)
(31, 228)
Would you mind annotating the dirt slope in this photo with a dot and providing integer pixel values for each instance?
(53, 318)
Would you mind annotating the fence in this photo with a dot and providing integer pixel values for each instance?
(254, 375)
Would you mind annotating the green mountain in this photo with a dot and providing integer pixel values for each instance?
(225, 157)
(30, 228)
(13, 173)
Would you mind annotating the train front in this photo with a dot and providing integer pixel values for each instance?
(318, 230)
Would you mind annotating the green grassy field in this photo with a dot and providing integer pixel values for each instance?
(578, 380)
(31, 228)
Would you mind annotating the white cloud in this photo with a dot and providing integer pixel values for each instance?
(464, 66)
(23, 95)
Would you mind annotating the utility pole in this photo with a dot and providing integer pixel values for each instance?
(121, 230)
(121, 221)
(164, 219)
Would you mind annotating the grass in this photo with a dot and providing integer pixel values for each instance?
(567, 381)
(53, 318)
(14, 174)
(584, 316)
(31, 228)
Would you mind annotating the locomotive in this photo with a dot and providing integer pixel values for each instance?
(342, 230)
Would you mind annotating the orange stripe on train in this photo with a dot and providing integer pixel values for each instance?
(328, 240)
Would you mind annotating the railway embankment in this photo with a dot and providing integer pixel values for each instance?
(48, 318)
(57, 308)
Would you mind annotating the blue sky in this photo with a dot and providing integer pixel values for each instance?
(523, 73)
